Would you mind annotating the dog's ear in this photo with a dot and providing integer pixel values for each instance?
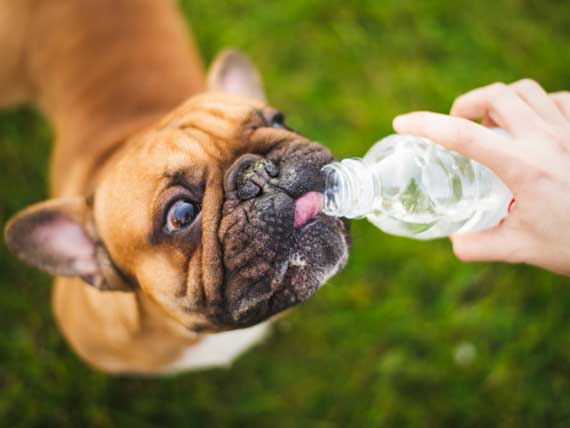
(233, 73)
(54, 237)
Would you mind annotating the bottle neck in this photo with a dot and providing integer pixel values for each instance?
(350, 189)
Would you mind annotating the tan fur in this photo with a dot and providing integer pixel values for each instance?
(15, 88)
(98, 86)
(138, 130)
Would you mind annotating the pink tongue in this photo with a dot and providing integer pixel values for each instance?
(307, 207)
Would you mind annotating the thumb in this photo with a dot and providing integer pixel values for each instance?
(497, 244)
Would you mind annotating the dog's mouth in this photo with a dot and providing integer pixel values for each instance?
(278, 246)
(307, 209)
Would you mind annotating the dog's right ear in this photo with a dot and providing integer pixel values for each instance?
(232, 72)
(53, 236)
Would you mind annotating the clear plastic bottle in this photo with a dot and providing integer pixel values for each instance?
(409, 186)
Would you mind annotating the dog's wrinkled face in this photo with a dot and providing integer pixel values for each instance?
(201, 213)
(213, 213)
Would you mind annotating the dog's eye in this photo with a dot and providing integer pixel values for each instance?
(278, 121)
(181, 214)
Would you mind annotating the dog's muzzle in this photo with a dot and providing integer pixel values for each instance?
(278, 247)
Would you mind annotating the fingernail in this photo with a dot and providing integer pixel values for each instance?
(511, 205)
(399, 121)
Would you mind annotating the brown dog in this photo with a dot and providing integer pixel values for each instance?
(165, 230)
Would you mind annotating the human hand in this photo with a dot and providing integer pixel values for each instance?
(534, 164)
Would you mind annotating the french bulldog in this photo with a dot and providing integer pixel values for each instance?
(184, 213)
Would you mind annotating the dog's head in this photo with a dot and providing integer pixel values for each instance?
(213, 213)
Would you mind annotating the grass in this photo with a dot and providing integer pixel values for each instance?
(406, 336)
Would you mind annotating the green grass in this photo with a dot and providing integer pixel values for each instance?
(382, 344)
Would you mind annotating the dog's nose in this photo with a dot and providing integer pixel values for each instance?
(249, 175)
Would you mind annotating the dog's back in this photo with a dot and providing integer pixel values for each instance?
(14, 86)
(98, 69)
(51, 46)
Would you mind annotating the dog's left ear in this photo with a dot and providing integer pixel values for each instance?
(233, 73)
(55, 237)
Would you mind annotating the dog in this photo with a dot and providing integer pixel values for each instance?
(184, 213)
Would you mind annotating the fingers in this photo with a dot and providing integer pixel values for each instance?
(460, 135)
(562, 101)
(537, 98)
(502, 105)
(497, 244)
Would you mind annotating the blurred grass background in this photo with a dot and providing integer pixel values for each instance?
(406, 336)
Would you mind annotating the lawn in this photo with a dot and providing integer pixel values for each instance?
(406, 336)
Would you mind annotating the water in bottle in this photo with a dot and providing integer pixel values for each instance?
(412, 187)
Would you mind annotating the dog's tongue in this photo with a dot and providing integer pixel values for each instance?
(307, 207)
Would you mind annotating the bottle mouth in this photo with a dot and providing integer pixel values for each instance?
(335, 191)
(348, 187)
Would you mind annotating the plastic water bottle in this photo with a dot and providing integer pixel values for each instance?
(409, 186)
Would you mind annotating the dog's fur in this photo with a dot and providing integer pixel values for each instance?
(138, 125)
